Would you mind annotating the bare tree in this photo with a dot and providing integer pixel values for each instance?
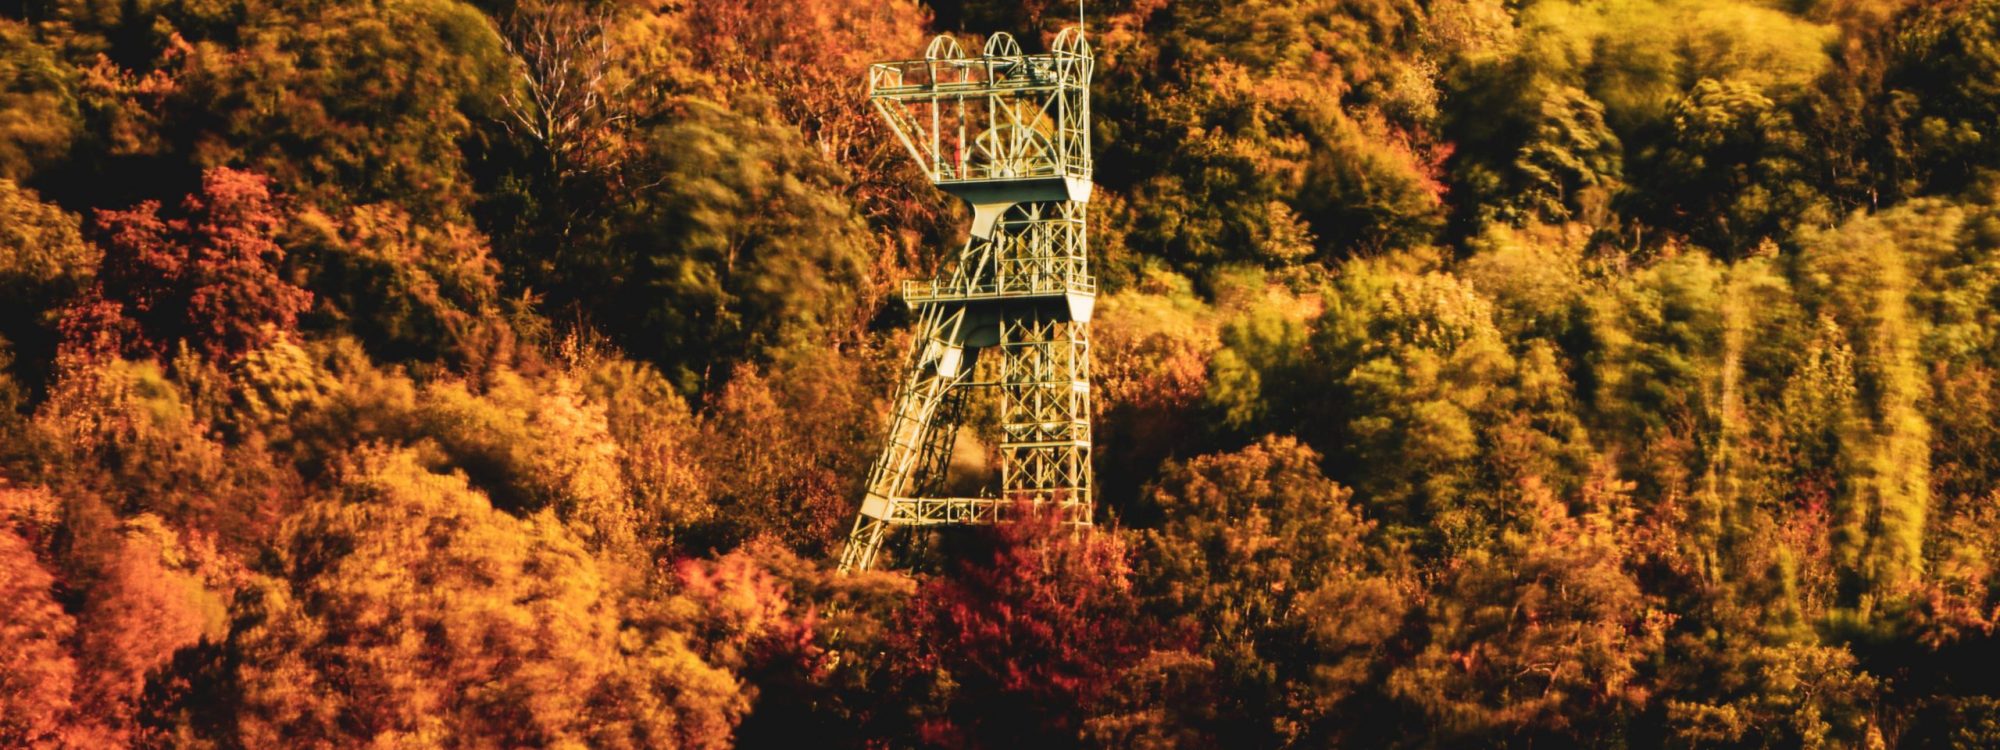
(562, 105)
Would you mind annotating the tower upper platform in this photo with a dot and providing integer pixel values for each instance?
(1001, 128)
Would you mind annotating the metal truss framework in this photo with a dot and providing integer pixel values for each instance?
(1010, 133)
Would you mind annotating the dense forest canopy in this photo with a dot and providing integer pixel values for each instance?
(1469, 373)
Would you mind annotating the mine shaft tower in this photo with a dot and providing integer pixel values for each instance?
(1009, 133)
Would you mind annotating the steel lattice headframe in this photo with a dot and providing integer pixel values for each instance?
(1008, 132)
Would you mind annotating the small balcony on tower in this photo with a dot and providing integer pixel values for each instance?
(1037, 251)
(1001, 128)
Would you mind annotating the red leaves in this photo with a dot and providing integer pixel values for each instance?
(1025, 636)
(207, 274)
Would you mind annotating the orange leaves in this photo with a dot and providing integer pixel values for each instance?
(660, 446)
(788, 449)
(91, 615)
(739, 613)
(149, 604)
(1152, 351)
(430, 529)
(1548, 621)
(1272, 570)
(37, 672)
(410, 611)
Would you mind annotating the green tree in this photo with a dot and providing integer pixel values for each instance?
(1267, 132)
(131, 434)
(408, 289)
(1656, 355)
(1942, 72)
(1439, 420)
(44, 264)
(1597, 106)
(1538, 277)
(1264, 356)
(755, 56)
(1734, 173)
(1862, 274)
(339, 103)
(1406, 382)
(43, 114)
(533, 446)
(343, 102)
(1571, 160)
(1738, 685)
(741, 247)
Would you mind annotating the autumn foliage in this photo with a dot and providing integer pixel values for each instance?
(207, 275)
(1467, 373)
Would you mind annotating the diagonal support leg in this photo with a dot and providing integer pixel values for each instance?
(920, 431)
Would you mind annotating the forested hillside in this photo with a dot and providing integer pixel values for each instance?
(1469, 373)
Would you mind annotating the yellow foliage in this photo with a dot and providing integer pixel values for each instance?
(536, 445)
(408, 612)
(1152, 350)
(127, 421)
(41, 246)
(277, 383)
(659, 441)
(1534, 274)
(1637, 55)
(1865, 272)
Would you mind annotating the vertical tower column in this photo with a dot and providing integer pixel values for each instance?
(1045, 414)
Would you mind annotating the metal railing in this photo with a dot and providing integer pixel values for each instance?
(1001, 116)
